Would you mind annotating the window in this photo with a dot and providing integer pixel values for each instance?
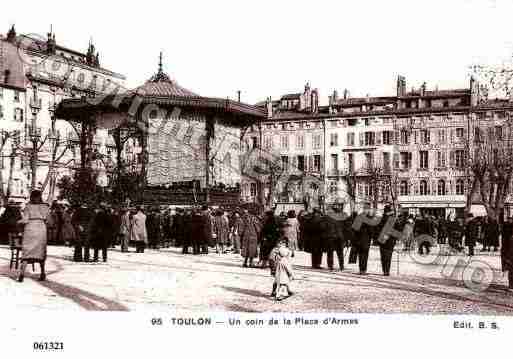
(16, 96)
(440, 159)
(333, 139)
(350, 160)
(404, 137)
(386, 161)
(252, 189)
(300, 141)
(18, 114)
(254, 141)
(317, 163)
(459, 158)
(350, 138)
(403, 188)
(333, 187)
(460, 187)
(405, 160)
(423, 160)
(301, 163)
(334, 162)
(369, 160)
(387, 137)
(441, 136)
(460, 132)
(370, 138)
(498, 132)
(441, 188)
(423, 188)
(424, 136)
(316, 141)
(268, 142)
(285, 163)
(284, 141)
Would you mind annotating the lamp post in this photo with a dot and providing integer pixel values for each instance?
(34, 135)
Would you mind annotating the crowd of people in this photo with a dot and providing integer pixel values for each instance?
(259, 239)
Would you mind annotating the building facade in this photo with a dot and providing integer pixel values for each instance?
(35, 76)
(410, 149)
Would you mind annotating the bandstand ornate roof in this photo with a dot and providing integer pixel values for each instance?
(160, 90)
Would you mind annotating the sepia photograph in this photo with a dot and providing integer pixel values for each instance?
(306, 163)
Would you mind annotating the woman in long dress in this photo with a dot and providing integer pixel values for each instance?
(35, 218)
(291, 231)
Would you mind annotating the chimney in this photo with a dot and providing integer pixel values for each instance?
(346, 94)
(269, 104)
(11, 35)
(423, 89)
(474, 92)
(314, 101)
(401, 86)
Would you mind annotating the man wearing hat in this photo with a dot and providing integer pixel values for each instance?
(102, 232)
(387, 242)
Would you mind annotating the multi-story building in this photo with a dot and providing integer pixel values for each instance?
(35, 75)
(417, 142)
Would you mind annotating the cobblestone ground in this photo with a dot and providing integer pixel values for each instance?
(168, 280)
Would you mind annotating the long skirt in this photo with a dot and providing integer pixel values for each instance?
(34, 241)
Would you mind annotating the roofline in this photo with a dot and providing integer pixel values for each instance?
(395, 112)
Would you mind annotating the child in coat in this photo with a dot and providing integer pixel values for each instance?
(281, 269)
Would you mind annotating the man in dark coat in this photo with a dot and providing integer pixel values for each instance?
(423, 228)
(363, 237)
(82, 220)
(154, 226)
(387, 242)
(188, 231)
(269, 237)
(9, 220)
(313, 239)
(507, 250)
(456, 232)
(491, 235)
(178, 227)
(332, 237)
(250, 234)
(471, 233)
(101, 232)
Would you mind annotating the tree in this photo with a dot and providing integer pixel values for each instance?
(491, 167)
(350, 177)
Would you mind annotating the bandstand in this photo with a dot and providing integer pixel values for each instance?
(179, 147)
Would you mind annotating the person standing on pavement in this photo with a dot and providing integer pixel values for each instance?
(332, 238)
(236, 231)
(269, 237)
(101, 232)
(221, 231)
(124, 229)
(387, 242)
(82, 220)
(471, 233)
(422, 231)
(291, 231)
(507, 250)
(491, 235)
(363, 241)
(35, 218)
(139, 233)
(153, 224)
(456, 233)
(249, 238)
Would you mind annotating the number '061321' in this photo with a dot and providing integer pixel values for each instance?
(48, 346)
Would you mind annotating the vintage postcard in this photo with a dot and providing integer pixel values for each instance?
(171, 170)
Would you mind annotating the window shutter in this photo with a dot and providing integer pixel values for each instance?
(311, 163)
(428, 133)
(397, 136)
(361, 138)
(396, 160)
(322, 164)
(451, 158)
(410, 159)
(452, 135)
(379, 137)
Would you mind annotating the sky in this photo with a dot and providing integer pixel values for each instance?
(269, 48)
